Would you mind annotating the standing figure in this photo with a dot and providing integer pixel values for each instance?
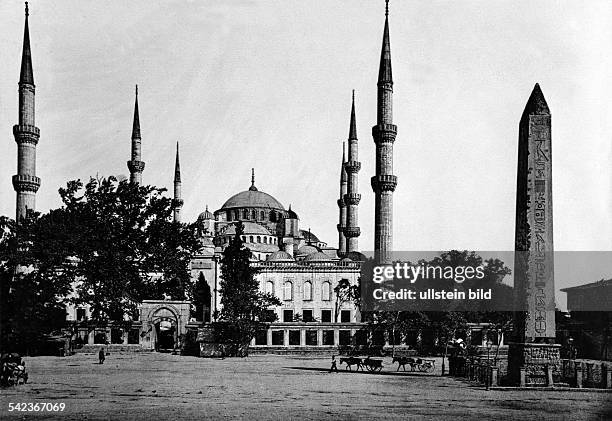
(334, 367)
(101, 355)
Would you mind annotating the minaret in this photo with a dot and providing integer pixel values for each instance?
(135, 165)
(177, 202)
(26, 133)
(342, 206)
(384, 182)
(352, 197)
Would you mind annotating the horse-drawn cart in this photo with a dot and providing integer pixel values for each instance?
(421, 364)
(370, 364)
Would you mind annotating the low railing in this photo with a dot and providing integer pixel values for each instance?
(587, 373)
(480, 370)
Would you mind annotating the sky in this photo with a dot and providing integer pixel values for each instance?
(267, 84)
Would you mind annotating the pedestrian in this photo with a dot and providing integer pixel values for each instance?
(334, 367)
(101, 355)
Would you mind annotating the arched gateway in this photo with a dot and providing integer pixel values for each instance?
(163, 324)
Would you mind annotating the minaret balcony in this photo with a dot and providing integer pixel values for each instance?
(26, 133)
(352, 198)
(26, 182)
(352, 232)
(136, 166)
(352, 166)
(340, 227)
(341, 203)
(383, 130)
(381, 183)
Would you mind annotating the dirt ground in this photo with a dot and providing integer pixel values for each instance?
(155, 386)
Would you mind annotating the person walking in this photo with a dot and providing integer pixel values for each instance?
(333, 367)
(101, 355)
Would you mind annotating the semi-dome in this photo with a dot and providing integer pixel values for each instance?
(249, 229)
(307, 249)
(318, 256)
(355, 256)
(280, 256)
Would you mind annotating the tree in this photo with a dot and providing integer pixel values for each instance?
(32, 291)
(124, 247)
(201, 298)
(245, 309)
(111, 245)
(345, 292)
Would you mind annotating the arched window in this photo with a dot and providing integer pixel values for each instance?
(288, 291)
(229, 215)
(307, 291)
(326, 291)
(262, 215)
(243, 237)
(236, 215)
(270, 287)
(250, 239)
(253, 214)
(265, 239)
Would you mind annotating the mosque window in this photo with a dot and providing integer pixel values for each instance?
(245, 214)
(229, 215)
(265, 240)
(326, 291)
(262, 215)
(307, 291)
(288, 291)
(272, 217)
(259, 239)
(326, 316)
(243, 237)
(250, 239)
(236, 215)
(270, 287)
(253, 214)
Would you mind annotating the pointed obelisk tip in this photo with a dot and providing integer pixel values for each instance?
(136, 89)
(387, 8)
(27, 9)
(536, 105)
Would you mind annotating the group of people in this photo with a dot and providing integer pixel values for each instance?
(13, 370)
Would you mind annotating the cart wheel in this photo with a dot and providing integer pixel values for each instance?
(379, 368)
(430, 368)
(370, 368)
(422, 368)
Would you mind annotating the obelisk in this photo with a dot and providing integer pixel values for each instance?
(533, 351)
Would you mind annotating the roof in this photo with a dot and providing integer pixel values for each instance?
(317, 257)
(307, 249)
(309, 237)
(604, 283)
(252, 199)
(280, 256)
(249, 229)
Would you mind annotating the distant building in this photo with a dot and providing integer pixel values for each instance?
(590, 327)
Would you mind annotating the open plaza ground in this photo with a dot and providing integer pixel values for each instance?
(157, 386)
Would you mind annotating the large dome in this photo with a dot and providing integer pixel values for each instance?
(252, 199)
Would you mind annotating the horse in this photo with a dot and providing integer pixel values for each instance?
(350, 361)
(402, 361)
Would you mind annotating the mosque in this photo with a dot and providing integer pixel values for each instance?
(294, 264)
